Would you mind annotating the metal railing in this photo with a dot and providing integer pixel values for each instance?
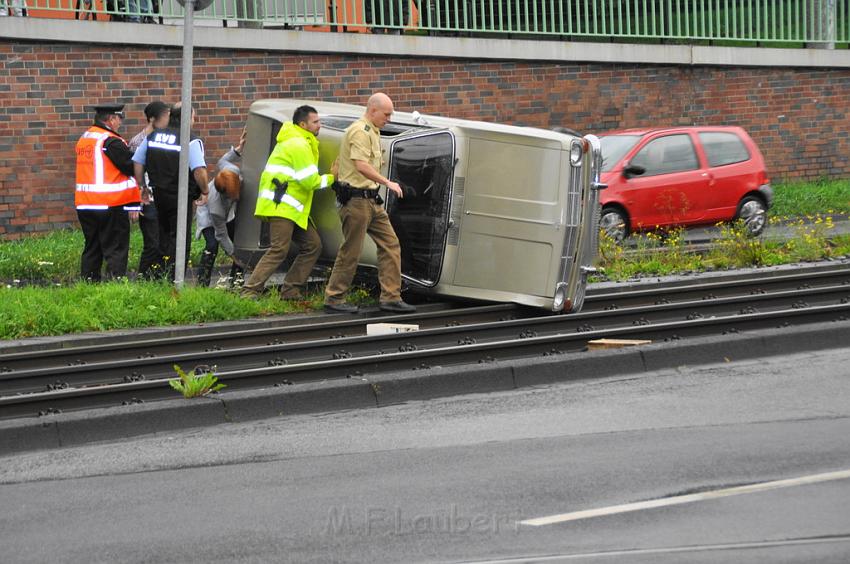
(740, 21)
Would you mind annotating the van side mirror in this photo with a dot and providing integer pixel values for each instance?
(633, 170)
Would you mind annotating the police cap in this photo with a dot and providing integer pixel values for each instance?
(109, 109)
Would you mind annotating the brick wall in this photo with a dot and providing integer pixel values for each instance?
(797, 116)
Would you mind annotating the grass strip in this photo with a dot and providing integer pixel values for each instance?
(811, 198)
(43, 311)
(666, 253)
(55, 256)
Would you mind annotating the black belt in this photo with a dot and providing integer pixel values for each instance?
(368, 193)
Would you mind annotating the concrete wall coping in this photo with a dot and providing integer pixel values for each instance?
(205, 36)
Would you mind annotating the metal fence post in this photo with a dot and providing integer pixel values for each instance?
(821, 19)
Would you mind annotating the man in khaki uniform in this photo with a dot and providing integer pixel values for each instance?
(359, 166)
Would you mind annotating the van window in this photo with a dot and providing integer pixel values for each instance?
(337, 122)
(668, 154)
(424, 166)
(341, 123)
(723, 148)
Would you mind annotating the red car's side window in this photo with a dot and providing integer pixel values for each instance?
(668, 154)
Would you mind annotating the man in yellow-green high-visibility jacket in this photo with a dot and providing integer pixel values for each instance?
(284, 200)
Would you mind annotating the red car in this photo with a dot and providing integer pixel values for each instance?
(682, 176)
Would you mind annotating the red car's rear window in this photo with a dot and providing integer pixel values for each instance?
(723, 148)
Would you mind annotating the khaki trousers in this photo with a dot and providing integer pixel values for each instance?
(283, 232)
(359, 217)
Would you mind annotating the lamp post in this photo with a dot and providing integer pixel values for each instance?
(185, 131)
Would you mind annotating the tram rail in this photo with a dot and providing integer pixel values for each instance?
(338, 348)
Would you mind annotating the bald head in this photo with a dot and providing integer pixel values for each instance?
(379, 109)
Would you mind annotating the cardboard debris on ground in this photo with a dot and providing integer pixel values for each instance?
(615, 343)
(389, 328)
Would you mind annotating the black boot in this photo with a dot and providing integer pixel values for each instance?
(237, 276)
(205, 270)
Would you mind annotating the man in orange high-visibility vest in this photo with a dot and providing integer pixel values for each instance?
(106, 191)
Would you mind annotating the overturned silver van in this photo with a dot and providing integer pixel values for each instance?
(491, 212)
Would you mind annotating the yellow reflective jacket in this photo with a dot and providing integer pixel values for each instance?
(294, 161)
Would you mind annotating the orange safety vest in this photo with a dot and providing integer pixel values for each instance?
(100, 185)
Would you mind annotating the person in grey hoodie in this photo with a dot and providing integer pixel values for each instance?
(216, 219)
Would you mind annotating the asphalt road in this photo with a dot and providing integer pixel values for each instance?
(450, 480)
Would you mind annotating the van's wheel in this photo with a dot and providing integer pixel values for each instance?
(753, 213)
(615, 223)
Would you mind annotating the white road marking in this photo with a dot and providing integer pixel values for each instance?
(690, 498)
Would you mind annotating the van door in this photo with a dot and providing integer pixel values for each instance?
(514, 216)
(423, 164)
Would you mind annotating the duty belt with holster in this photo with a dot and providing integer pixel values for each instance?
(345, 191)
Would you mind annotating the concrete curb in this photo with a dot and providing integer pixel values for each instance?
(442, 381)
(109, 424)
(311, 397)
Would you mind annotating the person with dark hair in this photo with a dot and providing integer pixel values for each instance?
(150, 263)
(105, 185)
(159, 156)
(157, 115)
(216, 220)
(285, 196)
